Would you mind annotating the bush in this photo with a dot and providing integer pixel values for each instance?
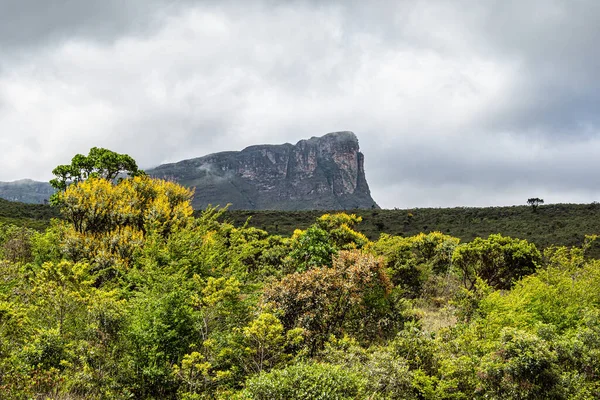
(306, 381)
(498, 260)
(523, 367)
(354, 294)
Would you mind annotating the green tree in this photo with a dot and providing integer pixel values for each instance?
(265, 342)
(311, 248)
(387, 374)
(411, 261)
(16, 243)
(162, 327)
(316, 246)
(99, 163)
(352, 294)
(522, 367)
(107, 223)
(534, 202)
(498, 260)
(307, 381)
(340, 228)
(61, 292)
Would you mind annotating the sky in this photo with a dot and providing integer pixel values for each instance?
(455, 103)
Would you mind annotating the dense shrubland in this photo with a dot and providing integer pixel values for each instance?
(131, 296)
(550, 224)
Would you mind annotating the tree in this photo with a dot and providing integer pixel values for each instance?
(316, 246)
(308, 381)
(265, 342)
(100, 163)
(522, 367)
(411, 261)
(141, 203)
(534, 202)
(498, 260)
(15, 243)
(351, 296)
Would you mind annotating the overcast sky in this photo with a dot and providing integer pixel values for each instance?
(455, 103)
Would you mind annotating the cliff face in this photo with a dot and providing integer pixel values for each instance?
(26, 191)
(321, 173)
(324, 173)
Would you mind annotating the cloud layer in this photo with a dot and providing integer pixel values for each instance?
(454, 103)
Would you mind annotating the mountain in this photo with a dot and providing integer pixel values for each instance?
(26, 191)
(320, 173)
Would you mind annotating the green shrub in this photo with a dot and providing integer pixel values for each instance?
(522, 367)
(307, 382)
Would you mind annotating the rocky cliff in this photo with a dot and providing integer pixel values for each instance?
(26, 191)
(324, 173)
(321, 173)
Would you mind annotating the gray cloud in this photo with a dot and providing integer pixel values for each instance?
(31, 23)
(454, 103)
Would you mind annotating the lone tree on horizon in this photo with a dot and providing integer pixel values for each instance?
(534, 202)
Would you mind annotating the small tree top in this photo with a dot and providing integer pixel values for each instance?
(100, 162)
(535, 201)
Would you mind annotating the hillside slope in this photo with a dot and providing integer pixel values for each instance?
(552, 224)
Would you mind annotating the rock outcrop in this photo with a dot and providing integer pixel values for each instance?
(321, 173)
(26, 191)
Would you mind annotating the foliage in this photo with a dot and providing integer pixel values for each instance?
(34, 216)
(534, 202)
(523, 367)
(99, 163)
(108, 223)
(16, 243)
(498, 260)
(560, 297)
(353, 294)
(551, 224)
(131, 296)
(387, 374)
(340, 228)
(264, 339)
(97, 206)
(410, 262)
(311, 249)
(306, 381)
(316, 246)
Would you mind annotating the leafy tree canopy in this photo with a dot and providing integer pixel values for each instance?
(534, 202)
(100, 162)
(498, 260)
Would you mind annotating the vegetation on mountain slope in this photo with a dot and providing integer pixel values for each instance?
(552, 224)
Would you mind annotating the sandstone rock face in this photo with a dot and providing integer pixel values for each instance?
(321, 173)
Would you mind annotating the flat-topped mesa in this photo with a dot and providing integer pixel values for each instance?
(325, 173)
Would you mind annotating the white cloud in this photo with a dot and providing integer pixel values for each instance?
(444, 97)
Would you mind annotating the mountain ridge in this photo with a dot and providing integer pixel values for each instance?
(319, 173)
(324, 172)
